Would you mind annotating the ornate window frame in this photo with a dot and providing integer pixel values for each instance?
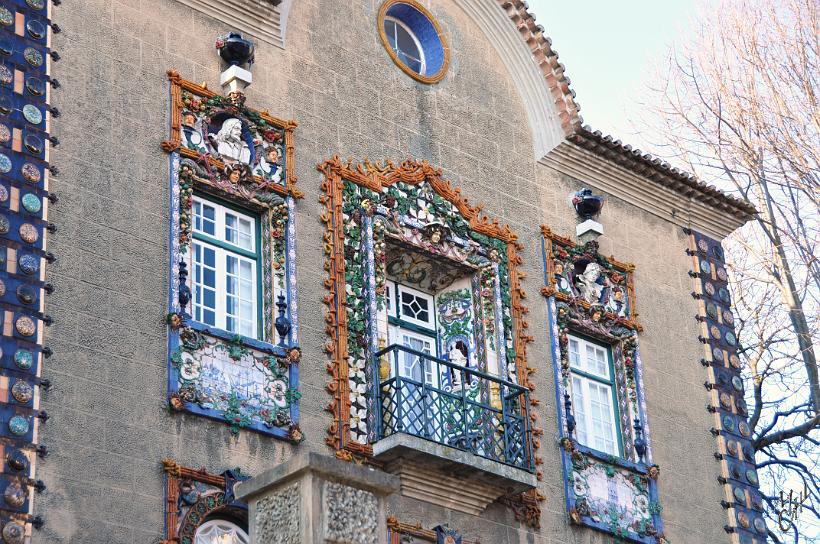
(193, 495)
(272, 367)
(375, 187)
(398, 532)
(420, 40)
(584, 303)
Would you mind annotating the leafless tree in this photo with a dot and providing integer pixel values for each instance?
(737, 105)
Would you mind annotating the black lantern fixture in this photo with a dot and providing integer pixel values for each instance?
(235, 50)
(640, 443)
(587, 205)
(184, 292)
(282, 322)
(568, 412)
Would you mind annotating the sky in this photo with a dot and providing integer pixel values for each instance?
(609, 50)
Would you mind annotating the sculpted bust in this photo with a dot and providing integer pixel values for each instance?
(588, 285)
(229, 143)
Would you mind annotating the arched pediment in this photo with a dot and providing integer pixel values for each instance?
(552, 113)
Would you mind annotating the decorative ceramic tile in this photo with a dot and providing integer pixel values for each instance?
(29, 264)
(406, 223)
(33, 56)
(32, 203)
(28, 233)
(14, 533)
(33, 144)
(6, 17)
(35, 86)
(6, 75)
(194, 496)
(23, 359)
(25, 326)
(18, 425)
(594, 296)
(26, 294)
(32, 114)
(20, 221)
(15, 495)
(728, 405)
(35, 29)
(31, 173)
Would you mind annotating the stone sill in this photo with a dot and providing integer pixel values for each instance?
(447, 476)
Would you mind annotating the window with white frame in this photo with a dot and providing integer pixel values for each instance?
(225, 258)
(415, 307)
(593, 395)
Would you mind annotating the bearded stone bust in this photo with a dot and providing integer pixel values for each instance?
(229, 143)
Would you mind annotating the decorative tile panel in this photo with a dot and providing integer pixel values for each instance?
(743, 500)
(222, 148)
(25, 120)
(591, 295)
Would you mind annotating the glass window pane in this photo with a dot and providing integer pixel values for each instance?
(239, 231)
(240, 293)
(412, 365)
(415, 307)
(245, 234)
(594, 414)
(411, 63)
(390, 30)
(406, 43)
(596, 361)
(204, 218)
(574, 356)
(204, 284)
(220, 532)
(602, 418)
(578, 409)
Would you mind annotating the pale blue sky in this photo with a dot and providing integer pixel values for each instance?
(610, 49)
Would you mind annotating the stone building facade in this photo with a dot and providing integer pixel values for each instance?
(138, 438)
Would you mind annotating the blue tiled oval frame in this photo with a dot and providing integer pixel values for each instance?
(428, 32)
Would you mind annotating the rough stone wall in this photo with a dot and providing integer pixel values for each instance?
(110, 426)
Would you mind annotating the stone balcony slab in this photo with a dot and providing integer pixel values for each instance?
(447, 476)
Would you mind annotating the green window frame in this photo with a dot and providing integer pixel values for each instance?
(589, 380)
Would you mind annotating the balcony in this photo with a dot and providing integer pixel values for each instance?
(450, 430)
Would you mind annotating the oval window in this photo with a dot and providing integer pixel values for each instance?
(413, 40)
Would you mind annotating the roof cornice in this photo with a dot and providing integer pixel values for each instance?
(663, 199)
(661, 172)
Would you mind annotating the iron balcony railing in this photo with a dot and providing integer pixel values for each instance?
(450, 404)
